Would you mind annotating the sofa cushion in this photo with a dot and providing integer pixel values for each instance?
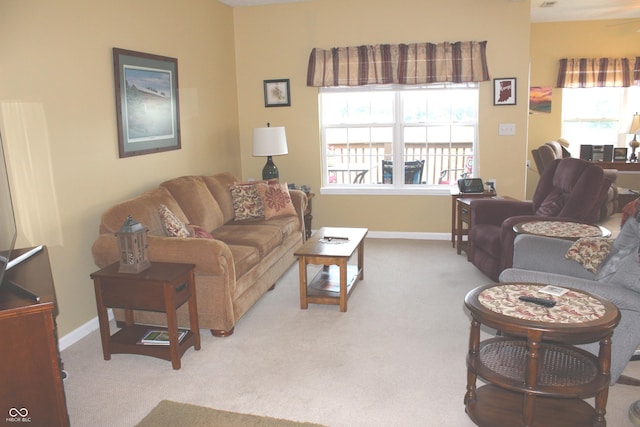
(196, 201)
(173, 226)
(219, 184)
(262, 237)
(623, 255)
(143, 209)
(552, 204)
(247, 203)
(590, 252)
(276, 200)
(244, 258)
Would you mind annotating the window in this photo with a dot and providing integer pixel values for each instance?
(597, 116)
(397, 138)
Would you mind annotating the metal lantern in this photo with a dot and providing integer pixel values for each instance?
(133, 246)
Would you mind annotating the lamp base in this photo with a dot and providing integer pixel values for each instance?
(633, 144)
(270, 170)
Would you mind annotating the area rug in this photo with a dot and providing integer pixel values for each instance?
(171, 414)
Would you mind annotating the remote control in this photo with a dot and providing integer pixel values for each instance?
(540, 301)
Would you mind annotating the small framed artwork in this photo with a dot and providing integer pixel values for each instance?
(504, 91)
(147, 107)
(277, 93)
(620, 154)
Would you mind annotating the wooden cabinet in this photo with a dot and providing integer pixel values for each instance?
(31, 389)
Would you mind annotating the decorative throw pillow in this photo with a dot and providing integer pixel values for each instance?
(173, 226)
(199, 232)
(552, 204)
(629, 210)
(275, 200)
(590, 252)
(246, 201)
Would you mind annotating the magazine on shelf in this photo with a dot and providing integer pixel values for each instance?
(160, 337)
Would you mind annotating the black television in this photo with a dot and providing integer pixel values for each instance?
(8, 230)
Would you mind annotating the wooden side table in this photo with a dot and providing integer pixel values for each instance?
(307, 216)
(163, 287)
(455, 194)
(534, 374)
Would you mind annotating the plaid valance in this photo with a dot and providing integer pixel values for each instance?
(409, 64)
(594, 72)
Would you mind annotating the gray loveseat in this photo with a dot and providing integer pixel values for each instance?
(542, 260)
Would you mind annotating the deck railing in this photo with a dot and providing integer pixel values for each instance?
(362, 163)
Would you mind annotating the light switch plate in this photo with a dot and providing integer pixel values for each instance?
(507, 129)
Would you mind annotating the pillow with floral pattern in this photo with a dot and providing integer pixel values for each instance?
(590, 252)
(173, 226)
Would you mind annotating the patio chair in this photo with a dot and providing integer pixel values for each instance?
(412, 171)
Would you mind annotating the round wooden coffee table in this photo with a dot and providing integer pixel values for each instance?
(535, 375)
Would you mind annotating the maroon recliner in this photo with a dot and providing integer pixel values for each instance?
(569, 189)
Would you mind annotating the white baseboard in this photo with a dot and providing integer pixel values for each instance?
(81, 332)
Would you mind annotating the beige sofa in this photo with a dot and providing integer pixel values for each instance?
(242, 261)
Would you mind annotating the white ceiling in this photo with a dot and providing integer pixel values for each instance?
(561, 10)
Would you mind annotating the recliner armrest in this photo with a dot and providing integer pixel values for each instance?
(495, 211)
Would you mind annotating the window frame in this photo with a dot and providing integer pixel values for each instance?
(398, 187)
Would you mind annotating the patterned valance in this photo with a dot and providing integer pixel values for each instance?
(594, 72)
(409, 64)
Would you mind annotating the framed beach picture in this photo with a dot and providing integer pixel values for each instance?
(277, 93)
(504, 91)
(147, 106)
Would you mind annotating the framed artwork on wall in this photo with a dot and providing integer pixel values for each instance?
(147, 105)
(277, 93)
(504, 91)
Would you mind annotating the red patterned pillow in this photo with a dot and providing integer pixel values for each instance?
(199, 232)
(275, 200)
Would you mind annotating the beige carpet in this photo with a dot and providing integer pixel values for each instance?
(395, 358)
(172, 414)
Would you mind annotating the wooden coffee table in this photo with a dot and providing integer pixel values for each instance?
(331, 247)
(535, 374)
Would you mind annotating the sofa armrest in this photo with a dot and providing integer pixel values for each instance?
(210, 256)
(546, 254)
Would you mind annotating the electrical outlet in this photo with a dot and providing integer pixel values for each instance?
(528, 164)
(492, 184)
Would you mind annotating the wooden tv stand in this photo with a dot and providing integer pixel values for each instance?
(31, 389)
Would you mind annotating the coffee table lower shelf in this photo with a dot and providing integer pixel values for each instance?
(325, 286)
(497, 407)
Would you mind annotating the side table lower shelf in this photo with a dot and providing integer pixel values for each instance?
(127, 339)
(497, 407)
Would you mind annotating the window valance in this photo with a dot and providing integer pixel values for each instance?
(594, 72)
(409, 64)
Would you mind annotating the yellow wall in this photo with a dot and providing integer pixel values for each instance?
(587, 39)
(57, 97)
(275, 41)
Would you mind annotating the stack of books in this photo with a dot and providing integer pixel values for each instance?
(159, 337)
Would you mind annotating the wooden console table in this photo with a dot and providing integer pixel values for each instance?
(535, 374)
(164, 287)
(31, 388)
(621, 166)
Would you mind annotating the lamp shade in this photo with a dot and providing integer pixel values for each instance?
(269, 141)
(635, 124)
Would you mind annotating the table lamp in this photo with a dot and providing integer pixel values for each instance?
(635, 127)
(269, 141)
